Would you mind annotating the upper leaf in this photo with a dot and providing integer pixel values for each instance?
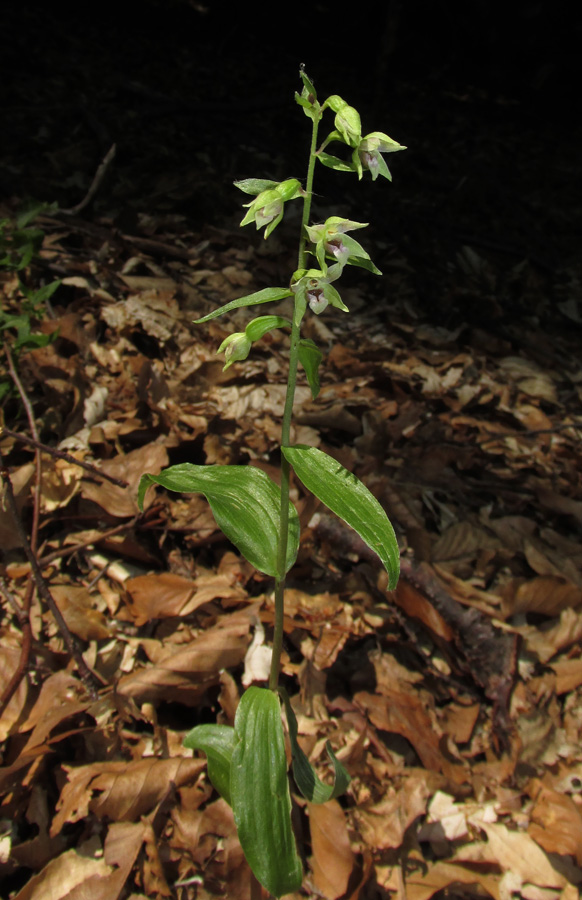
(267, 295)
(246, 505)
(349, 499)
(259, 790)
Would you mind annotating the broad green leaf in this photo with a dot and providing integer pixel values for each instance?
(349, 499)
(267, 295)
(246, 505)
(259, 790)
(310, 357)
(306, 778)
(217, 741)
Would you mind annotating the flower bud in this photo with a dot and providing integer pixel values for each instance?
(236, 347)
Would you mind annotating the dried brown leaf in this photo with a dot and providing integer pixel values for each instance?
(556, 821)
(121, 791)
(65, 878)
(547, 594)
(440, 875)
(78, 608)
(333, 859)
(119, 501)
(383, 825)
(9, 659)
(184, 675)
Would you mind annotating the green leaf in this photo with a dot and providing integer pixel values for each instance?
(310, 357)
(246, 505)
(306, 778)
(267, 295)
(349, 499)
(259, 790)
(217, 741)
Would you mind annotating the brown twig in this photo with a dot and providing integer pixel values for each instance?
(68, 551)
(99, 176)
(60, 454)
(88, 677)
(23, 615)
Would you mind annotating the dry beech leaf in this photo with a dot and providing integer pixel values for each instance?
(185, 674)
(120, 501)
(440, 875)
(417, 606)
(546, 594)
(121, 791)
(9, 659)
(78, 610)
(383, 825)
(333, 859)
(556, 822)
(404, 712)
(65, 877)
(166, 594)
(518, 853)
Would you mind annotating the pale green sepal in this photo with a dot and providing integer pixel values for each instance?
(267, 295)
(310, 357)
(332, 296)
(306, 778)
(335, 102)
(363, 263)
(334, 162)
(246, 504)
(259, 789)
(217, 741)
(349, 499)
(308, 85)
(255, 185)
(358, 256)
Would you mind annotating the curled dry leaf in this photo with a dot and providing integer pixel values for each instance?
(333, 858)
(185, 674)
(63, 876)
(119, 501)
(123, 792)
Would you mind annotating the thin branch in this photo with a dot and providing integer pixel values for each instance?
(88, 677)
(38, 461)
(99, 176)
(68, 551)
(23, 616)
(60, 454)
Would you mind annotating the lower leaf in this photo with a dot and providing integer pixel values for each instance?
(306, 778)
(217, 741)
(259, 789)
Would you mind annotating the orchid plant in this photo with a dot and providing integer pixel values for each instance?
(247, 764)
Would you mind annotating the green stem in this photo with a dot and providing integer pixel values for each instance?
(286, 426)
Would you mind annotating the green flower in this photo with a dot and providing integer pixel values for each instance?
(268, 206)
(313, 289)
(368, 154)
(330, 240)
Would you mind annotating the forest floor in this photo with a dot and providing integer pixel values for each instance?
(452, 389)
